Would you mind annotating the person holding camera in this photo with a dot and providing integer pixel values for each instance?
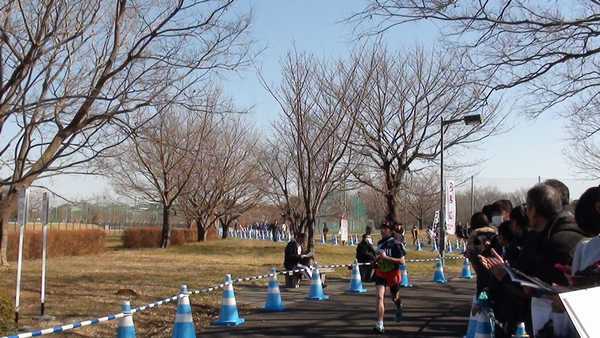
(390, 255)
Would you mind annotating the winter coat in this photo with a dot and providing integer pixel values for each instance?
(292, 258)
(365, 253)
(557, 245)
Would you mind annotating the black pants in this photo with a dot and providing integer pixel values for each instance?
(366, 273)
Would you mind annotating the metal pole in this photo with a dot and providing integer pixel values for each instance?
(472, 197)
(442, 221)
(45, 207)
(22, 220)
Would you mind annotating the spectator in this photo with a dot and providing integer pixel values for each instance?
(556, 230)
(506, 239)
(487, 210)
(369, 231)
(553, 238)
(586, 261)
(399, 233)
(365, 253)
(504, 207)
(479, 220)
(415, 234)
(325, 231)
(294, 256)
(563, 190)
(430, 235)
(274, 231)
(482, 240)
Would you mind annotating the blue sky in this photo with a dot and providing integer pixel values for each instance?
(514, 159)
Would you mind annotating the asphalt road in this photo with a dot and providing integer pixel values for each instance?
(430, 310)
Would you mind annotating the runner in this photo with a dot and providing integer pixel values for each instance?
(387, 273)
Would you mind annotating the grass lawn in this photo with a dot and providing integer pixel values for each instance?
(84, 287)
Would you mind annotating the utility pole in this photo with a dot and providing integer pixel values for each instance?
(472, 197)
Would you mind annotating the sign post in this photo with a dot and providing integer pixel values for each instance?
(23, 207)
(45, 209)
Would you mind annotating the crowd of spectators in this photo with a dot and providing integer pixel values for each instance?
(548, 241)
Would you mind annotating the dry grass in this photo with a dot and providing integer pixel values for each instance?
(84, 287)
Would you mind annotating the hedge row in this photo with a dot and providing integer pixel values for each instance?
(60, 243)
(150, 237)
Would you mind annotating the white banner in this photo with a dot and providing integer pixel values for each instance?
(436, 219)
(450, 208)
(344, 229)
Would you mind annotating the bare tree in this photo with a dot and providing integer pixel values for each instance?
(373, 201)
(550, 46)
(225, 183)
(156, 163)
(398, 130)
(73, 75)
(421, 196)
(309, 157)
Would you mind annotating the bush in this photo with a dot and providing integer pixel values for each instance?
(150, 237)
(6, 313)
(60, 243)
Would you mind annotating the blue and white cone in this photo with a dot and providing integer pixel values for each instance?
(472, 326)
(274, 303)
(520, 332)
(316, 287)
(457, 245)
(405, 280)
(438, 276)
(466, 270)
(229, 313)
(355, 281)
(184, 323)
(419, 247)
(335, 242)
(126, 328)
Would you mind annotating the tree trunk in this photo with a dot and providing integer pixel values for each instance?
(7, 206)
(166, 229)
(392, 208)
(225, 227)
(201, 231)
(310, 227)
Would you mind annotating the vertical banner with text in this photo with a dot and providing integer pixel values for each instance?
(344, 229)
(450, 207)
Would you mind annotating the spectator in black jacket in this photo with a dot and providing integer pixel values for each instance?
(558, 234)
(295, 256)
(551, 244)
(365, 253)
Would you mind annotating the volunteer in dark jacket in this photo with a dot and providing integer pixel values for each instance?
(365, 253)
(294, 256)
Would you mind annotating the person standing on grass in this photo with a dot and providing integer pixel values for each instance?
(390, 255)
(415, 234)
(325, 231)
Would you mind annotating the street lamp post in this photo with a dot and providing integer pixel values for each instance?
(468, 120)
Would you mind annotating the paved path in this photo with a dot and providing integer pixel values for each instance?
(431, 310)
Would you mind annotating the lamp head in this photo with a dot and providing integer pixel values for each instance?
(472, 120)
